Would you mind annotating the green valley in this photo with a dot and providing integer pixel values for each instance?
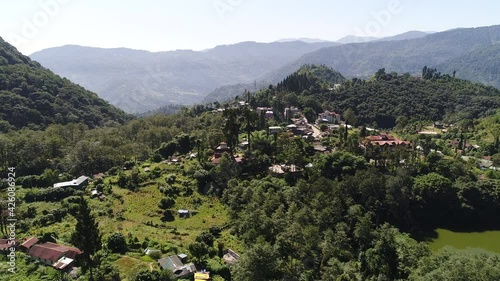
(317, 177)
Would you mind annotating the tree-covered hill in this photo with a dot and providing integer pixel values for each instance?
(316, 76)
(34, 97)
(386, 97)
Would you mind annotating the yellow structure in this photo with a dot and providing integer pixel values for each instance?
(200, 276)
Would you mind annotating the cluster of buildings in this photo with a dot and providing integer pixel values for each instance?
(182, 269)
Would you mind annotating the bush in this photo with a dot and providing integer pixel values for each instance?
(155, 255)
(166, 203)
(116, 243)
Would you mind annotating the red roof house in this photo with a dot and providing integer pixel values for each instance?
(4, 244)
(27, 244)
(385, 140)
(51, 253)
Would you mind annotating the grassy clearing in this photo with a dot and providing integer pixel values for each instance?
(487, 240)
(128, 265)
(136, 214)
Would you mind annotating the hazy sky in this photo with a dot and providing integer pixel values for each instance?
(160, 25)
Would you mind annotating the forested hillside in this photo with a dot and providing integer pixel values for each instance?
(385, 97)
(339, 219)
(481, 65)
(34, 97)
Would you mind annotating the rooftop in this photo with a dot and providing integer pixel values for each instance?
(29, 243)
(4, 244)
(62, 263)
(171, 263)
(385, 139)
(53, 252)
(76, 182)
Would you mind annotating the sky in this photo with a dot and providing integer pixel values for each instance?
(162, 25)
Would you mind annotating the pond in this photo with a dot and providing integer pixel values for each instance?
(487, 240)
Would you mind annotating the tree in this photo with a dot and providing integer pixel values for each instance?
(116, 243)
(250, 125)
(226, 170)
(166, 203)
(339, 164)
(350, 117)
(258, 263)
(147, 275)
(207, 238)
(457, 265)
(380, 74)
(198, 250)
(310, 114)
(231, 127)
(86, 236)
(496, 159)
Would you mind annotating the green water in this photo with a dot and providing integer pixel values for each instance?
(488, 240)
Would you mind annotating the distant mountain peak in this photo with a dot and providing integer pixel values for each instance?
(355, 39)
(305, 40)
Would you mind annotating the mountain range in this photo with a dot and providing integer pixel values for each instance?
(139, 81)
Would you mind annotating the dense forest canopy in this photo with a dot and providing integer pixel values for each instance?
(386, 96)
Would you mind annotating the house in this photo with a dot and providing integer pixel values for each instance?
(299, 130)
(269, 114)
(261, 110)
(274, 130)
(265, 111)
(94, 193)
(219, 151)
(55, 255)
(321, 149)
(78, 183)
(149, 251)
(27, 244)
(183, 213)
(485, 164)
(384, 141)
(182, 257)
(174, 264)
(329, 117)
(5, 245)
(282, 169)
(291, 112)
(230, 257)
